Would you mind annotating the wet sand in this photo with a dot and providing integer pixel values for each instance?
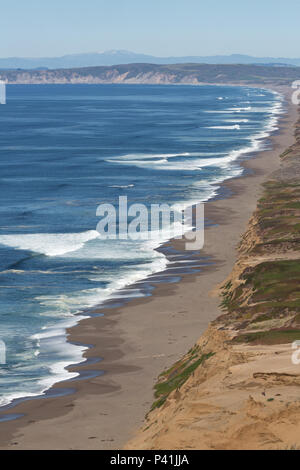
(140, 339)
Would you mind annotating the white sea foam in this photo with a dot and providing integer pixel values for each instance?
(120, 186)
(8, 398)
(240, 109)
(156, 162)
(237, 121)
(52, 341)
(226, 128)
(215, 111)
(49, 244)
(192, 163)
(68, 305)
(145, 156)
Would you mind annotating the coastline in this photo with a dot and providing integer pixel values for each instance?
(133, 358)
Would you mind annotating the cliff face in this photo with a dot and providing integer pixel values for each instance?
(242, 397)
(238, 388)
(157, 74)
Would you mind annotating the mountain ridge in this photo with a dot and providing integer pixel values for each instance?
(116, 57)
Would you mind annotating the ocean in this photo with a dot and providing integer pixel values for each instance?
(65, 149)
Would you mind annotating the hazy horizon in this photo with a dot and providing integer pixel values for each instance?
(120, 50)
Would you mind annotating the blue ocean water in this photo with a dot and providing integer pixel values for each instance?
(65, 149)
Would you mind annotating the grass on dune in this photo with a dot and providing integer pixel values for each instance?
(269, 337)
(177, 375)
(270, 290)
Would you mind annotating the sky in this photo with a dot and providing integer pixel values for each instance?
(44, 28)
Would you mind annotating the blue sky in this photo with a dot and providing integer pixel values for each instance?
(158, 27)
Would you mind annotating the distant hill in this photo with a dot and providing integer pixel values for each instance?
(115, 57)
(159, 74)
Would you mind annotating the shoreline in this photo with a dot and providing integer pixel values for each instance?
(134, 285)
(130, 364)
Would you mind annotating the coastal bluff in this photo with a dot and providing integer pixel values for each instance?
(238, 387)
(176, 74)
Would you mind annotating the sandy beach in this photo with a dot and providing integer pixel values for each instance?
(142, 338)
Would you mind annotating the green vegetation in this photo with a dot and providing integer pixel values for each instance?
(177, 375)
(227, 296)
(275, 281)
(269, 292)
(268, 337)
(285, 153)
